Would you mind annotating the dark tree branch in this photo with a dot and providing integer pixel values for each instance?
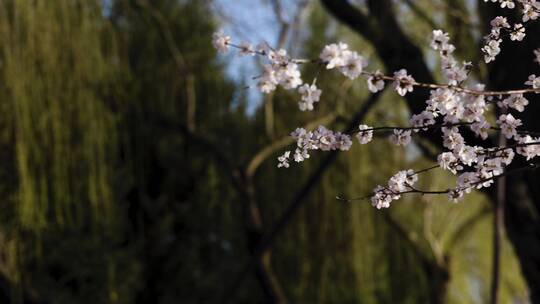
(421, 13)
(297, 201)
(522, 209)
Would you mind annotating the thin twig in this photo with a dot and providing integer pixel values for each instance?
(413, 190)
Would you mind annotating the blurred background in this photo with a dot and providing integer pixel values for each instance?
(138, 166)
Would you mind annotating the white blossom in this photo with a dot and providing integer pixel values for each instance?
(481, 128)
(403, 83)
(491, 47)
(466, 181)
(364, 137)
(309, 94)
(467, 155)
(489, 169)
(491, 50)
(446, 102)
(499, 22)
(320, 139)
(278, 57)
(452, 139)
(375, 82)
(514, 101)
(334, 55)
(284, 160)
(506, 156)
(382, 197)
(289, 76)
(507, 3)
(533, 81)
(474, 106)
(423, 119)
(344, 141)
(448, 161)
(402, 181)
(518, 33)
(530, 11)
(401, 137)
(246, 49)
(353, 65)
(220, 41)
(268, 80)
(439, 40)
(456, 73)
(528, 148)
(300, 155)
(508, 125)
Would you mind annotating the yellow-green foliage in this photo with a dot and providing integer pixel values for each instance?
(56, 71)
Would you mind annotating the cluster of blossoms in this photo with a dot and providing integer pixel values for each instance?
(530, 11)
(310, 94)
(348, 62)
(475, 166)
(400, 183)
(451, 107)
(282, 70)
(320, 139)
(454, 72)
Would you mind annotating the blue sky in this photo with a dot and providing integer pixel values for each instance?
(252, 21)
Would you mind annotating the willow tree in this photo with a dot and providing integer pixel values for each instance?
(59, 69)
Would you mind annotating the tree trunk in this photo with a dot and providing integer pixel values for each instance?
(511, 69)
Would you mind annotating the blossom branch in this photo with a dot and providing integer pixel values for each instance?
(410, 189)
(450, 106)
(265, 51)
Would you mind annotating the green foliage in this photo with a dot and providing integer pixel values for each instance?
(61, 128)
